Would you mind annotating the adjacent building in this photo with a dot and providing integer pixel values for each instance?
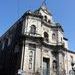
(35, 45)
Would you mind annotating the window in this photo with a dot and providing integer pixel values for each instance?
(49, 21)
(3, 44)
(16, 50)
(0, 45)
(41, 17)
(53, 36)
(6, 43)
(54, 65)
(31, 54)
(33, 29)
(9, 40)
(30, 63)
(61, 39)
(71, 59)
(45, 18)
(32, 48)
(46, 66)
(46, 37)
(30, 59)
(63, 44)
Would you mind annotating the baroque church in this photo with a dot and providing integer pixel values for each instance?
(36, 45)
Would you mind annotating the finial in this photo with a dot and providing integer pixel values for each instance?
(44, 6)
(44, 3)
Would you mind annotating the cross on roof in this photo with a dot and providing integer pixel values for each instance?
(44, 3)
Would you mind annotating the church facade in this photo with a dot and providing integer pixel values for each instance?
(36, 45)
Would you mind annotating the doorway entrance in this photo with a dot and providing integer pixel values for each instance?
(46, 66)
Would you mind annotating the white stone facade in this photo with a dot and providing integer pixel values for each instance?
(40, 57)
(40, 45)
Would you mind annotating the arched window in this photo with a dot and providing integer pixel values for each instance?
(0, 45)
(63, 44)
(45, 18)
(41, 17)
(71, 59)
(33, 29)
(16, 50)
(6, 43)
(49, 21)
(32, 49)
(9, 41)
(46, 36)
(53, 36)
(61, 39)
(54, 65)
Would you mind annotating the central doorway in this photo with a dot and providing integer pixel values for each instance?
(46, 66)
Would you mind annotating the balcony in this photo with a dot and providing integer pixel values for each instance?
(32, 35)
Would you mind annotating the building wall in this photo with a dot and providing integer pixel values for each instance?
(32, 51)
(42, 52)
(68, 61)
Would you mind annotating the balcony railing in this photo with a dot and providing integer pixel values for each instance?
(52, 43)
(31, 34)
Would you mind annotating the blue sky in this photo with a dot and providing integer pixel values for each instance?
(63, 12)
